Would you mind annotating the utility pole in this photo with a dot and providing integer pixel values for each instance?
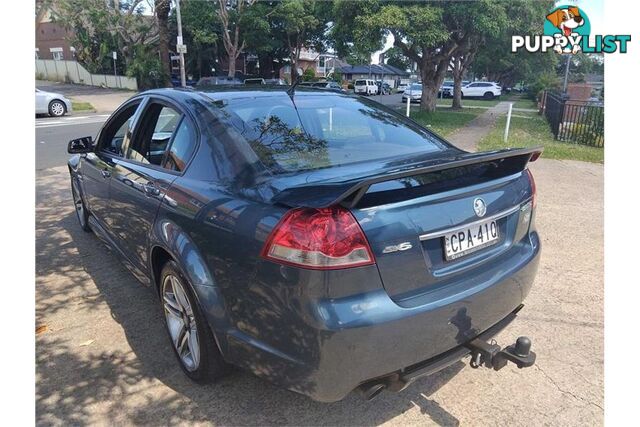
(179, 46)
(566, 75)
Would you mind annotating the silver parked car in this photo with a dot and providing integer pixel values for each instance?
(54, 104)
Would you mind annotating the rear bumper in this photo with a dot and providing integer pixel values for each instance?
(334, 345)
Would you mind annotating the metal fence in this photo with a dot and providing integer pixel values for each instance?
(73, 72)
(579, 122)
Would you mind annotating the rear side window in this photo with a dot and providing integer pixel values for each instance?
(361, 83)
(324, 131)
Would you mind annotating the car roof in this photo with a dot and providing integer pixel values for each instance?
(238, 92)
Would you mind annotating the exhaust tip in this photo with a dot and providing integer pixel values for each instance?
(371, 391)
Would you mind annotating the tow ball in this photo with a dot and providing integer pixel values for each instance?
(490, 355)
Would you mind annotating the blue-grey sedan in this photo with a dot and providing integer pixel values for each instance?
(319, 240)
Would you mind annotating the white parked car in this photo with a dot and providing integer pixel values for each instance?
(54, 104)
(365, 87)
(413, 92)
(402, 87)
(487, 90)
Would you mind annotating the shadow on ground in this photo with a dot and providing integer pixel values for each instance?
(83, 290)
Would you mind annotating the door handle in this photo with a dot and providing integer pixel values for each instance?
(105, 173)
(151, 190)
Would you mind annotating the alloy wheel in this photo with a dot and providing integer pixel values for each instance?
(57, 108)
(181, 322)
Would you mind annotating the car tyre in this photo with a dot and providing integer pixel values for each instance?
(57, 108)
(488, 95)
(190, 336)
(78, 203)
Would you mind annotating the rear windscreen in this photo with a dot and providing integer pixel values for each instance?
(323, 131)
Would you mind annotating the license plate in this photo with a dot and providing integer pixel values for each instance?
(467, 240)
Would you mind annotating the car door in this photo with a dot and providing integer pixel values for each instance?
(141, 178)
(470, 90)
(97, 167)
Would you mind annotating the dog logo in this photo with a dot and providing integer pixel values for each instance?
(566, 20)
(567, 30)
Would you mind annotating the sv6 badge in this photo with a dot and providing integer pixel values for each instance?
(399, 247)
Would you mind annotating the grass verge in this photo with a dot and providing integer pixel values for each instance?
(520, 101)
(82, 106)
(470, 102)
(445, 122)
(535, 131)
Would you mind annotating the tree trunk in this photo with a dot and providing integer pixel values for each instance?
(232, 64)
(162, 16)
(457, 84)
(199, 63)
(432, 78)
(457, 92)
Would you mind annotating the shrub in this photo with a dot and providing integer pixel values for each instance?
(309, 75)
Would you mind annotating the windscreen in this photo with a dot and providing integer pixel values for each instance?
(323, 131)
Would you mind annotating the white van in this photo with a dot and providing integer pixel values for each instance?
(365, 87)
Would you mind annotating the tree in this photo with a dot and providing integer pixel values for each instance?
(101, 27)
(162, 9)
(303, 24)
(470, 24)
(202, 31)
(396, 58)
(231, 13)
(267, 38)
(496, 62)
(419, 31)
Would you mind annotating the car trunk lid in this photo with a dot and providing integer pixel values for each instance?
(407, 213)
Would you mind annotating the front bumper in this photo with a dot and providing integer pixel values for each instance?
(334, 345)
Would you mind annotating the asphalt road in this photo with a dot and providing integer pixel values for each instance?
(53, 135)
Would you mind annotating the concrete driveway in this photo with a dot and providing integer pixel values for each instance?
(103, 356)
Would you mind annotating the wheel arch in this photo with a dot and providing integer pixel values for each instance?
(170, 243)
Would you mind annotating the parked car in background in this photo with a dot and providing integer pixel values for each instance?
(413, 93)
(365, 87)
(329, 85)
(446, 90)
(177, 82)
(51, 103)
(218, 80)
(320, 240)
(275, 82)
(401, 87)
(254, 81)
(383, 88)
(486, 90)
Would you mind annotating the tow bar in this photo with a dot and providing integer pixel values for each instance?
(491, 355)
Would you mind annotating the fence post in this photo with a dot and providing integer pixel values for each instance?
(506, 129)
(408, 104)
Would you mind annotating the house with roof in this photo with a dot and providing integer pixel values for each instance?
(387, 73)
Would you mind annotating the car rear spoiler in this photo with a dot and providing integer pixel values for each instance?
(349, 192)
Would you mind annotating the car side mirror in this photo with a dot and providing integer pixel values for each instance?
(81, 145)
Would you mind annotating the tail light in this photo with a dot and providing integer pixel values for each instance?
(533, 188)
(322, 239)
